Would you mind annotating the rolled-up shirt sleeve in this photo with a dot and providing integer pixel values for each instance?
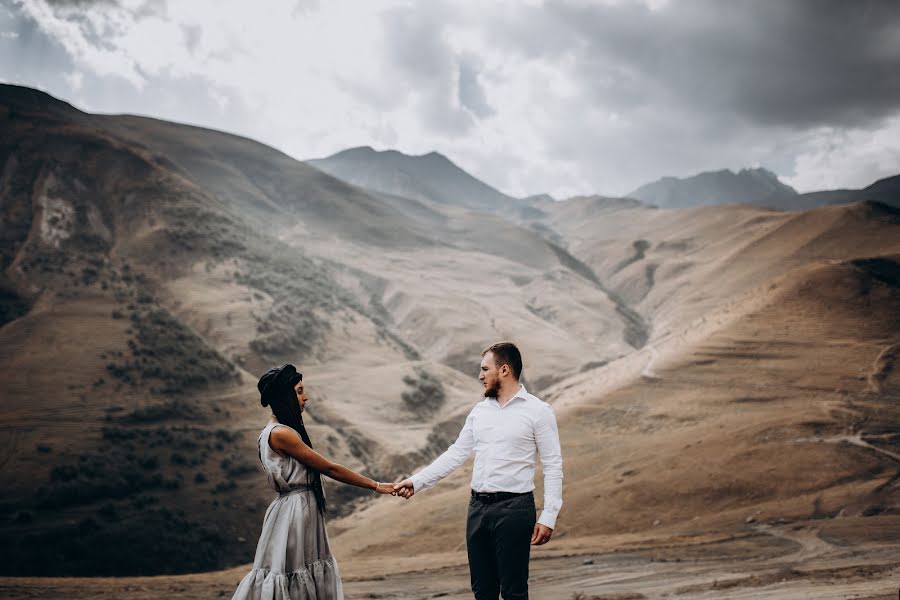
(447, 462)
(546, 436)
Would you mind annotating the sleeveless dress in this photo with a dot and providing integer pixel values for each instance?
(293, 560)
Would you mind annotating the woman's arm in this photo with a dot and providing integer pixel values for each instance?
(286, 441)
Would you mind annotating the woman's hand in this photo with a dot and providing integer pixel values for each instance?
(384, 488)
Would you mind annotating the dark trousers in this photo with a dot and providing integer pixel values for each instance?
(498, 538)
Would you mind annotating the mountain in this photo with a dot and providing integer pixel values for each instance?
(758, 187)
(720, 372)
(150, 271)
(139, 301)
(885, 191)
(765, 394)
(430, 176)
(751, 186)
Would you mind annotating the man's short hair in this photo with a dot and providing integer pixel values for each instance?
(506, 353)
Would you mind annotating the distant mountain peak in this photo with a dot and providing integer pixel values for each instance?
(370, 152)
(430, 176)
(755, 185)
(539, 198)
(357, 151)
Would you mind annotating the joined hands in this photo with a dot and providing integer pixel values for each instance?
(384, 488)
(403, 489)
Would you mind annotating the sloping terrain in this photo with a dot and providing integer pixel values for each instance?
(151, 271)
(766, 412)
(712, 368)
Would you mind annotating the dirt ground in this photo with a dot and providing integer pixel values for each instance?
(822, 560)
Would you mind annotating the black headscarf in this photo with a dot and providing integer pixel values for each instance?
(276, 389)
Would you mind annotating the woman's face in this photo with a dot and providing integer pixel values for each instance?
(301, 395)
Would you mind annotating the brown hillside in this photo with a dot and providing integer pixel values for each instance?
(707, 365)
(161, 268)
(700, 444)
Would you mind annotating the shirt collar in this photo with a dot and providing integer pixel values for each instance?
(521, 393)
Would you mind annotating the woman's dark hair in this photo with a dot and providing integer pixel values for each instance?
(276, 389)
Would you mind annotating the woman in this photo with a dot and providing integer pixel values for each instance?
(293, 560)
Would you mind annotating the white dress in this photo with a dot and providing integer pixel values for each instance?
(293, 560)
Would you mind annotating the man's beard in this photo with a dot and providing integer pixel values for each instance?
(492, 391)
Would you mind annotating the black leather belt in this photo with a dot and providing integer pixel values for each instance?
(491, 497)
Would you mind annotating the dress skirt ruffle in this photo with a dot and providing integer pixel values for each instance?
(318, 581)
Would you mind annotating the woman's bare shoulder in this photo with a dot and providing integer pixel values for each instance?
(282, 436)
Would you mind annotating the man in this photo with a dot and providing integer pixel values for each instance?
(505, 430)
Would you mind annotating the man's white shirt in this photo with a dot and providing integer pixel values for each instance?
(505, 440)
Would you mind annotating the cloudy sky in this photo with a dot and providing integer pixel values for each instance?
(562, 97)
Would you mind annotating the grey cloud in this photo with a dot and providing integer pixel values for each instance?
(427, 66)
(697, 85)
(471, 94)
(800, 63)
(82, 3)
(192, 36)
(302, 7)
(34, 59)
(31, 58)
(151, 8)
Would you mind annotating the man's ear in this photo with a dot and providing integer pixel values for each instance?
(504, 370)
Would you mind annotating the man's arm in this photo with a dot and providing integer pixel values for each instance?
(443, 465)
(546, 436)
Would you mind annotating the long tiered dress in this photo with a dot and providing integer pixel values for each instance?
(293, 560)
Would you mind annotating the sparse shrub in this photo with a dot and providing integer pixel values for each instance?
(224, 486)
(23, 517)
(118, 433)
(236, 466)
(426, 393)
(227, 436)
(115, 473)
(173, 410)
(149, 463)
(165, 350)
(11, 306)
(89, 275)
(108, 512)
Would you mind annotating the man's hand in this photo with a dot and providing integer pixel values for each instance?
(405, 488)
(541, 535)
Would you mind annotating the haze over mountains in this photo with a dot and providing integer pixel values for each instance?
(755, 186)
(435, 177)
(151, 271)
